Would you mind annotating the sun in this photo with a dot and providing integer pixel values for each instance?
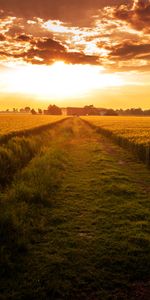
(59, 81)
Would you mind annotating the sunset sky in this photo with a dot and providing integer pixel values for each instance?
(74, 53)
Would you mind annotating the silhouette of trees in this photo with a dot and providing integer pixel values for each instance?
(54, 110)
(111, 112)
(33, 112)
(133, 112)
(27, 109)
(40, 111)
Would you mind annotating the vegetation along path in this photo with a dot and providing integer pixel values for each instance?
(89, 239)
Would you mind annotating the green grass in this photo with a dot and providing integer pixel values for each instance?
(75, 222)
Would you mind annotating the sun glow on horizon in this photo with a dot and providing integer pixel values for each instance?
(59, 80)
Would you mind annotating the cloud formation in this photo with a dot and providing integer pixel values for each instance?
(138, 16)
(75, 12)
(117, 37)
(47, 51)
(44, 51)
(2, 38)
(128, 50)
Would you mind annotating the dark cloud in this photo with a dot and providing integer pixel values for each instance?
(138, 16)
(128, 50)
(128, 56)
(2, 37)
(95, 34)
(48, 51)
(81, 58)
(77, 12)
(15, 30)
(24, 38)
(24, 27)
(49, 57)
(5, 54)
(49, 44)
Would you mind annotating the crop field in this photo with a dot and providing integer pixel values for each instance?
(21, 140)
(14, 123)
(130, 132)
(74, 216)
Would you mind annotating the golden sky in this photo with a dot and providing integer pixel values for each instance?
(74, 53)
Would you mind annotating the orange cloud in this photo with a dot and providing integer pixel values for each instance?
(138, 16)
(117, 37)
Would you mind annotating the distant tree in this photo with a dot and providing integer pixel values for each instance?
(111, 112)
(33, 112)
(40, 111)
(137, 111)
(133, 112)
(54, 110)
(27, 109)
(91, 110)
(147, 112)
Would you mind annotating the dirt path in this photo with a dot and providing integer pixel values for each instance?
(95, 240)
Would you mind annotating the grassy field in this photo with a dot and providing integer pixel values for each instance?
(130, 132)
(18, 147)
(14, 123)
(75, 222)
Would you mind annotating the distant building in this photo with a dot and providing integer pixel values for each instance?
(88, 110)
(74, 111)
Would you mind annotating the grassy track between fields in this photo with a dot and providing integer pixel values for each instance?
(76, 222)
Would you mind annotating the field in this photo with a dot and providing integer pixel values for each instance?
(21, 140)
(130, 132)
(15, 123)
(75, 217)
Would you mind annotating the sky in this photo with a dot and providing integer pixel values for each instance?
(74, 53)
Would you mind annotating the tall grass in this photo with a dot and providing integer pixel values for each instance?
(15, 155)
(19, 150)
(35, 187)
(131, 133)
